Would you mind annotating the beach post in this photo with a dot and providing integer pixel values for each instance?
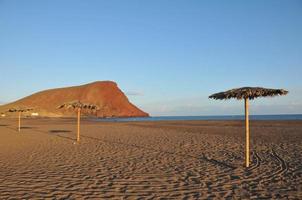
(247, 133)
(78, 106)
(79, 116)
(247, 93)
(19, 111)
(19, 121)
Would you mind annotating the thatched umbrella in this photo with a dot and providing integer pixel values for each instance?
(19, 111)
(248, 93)
(79, 106)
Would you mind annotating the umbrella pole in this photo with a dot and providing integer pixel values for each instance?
(247, 133)
(19, 121)
(78, 134)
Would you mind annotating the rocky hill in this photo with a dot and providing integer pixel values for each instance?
(108, 99)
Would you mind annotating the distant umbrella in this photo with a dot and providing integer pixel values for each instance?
(77, 105)
(248, 93)
(19, 111)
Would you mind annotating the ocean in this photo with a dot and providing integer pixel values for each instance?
(217, 117)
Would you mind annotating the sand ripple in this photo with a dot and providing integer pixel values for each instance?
(188, 160)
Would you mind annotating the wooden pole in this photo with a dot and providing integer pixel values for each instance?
(247, 133)
(19, 121)
(79, 116)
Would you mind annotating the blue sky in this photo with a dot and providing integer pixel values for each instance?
(167, 56)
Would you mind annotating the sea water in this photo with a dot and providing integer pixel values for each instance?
(217, 117)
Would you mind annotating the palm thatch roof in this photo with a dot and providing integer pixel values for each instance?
(78, 104)
(248, 93)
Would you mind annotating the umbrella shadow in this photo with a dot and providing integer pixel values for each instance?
(217, 162)
(26, 127)
(55, 131)
(201, 158)
(58, 131)
(16, 128)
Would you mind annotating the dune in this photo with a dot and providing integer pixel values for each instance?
(112, 102)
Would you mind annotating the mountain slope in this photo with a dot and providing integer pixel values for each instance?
(110, 100)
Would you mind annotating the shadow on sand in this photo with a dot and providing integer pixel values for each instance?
(59, 131)
(201, 158)
(26, 127)
(16, 128)
(56, 133)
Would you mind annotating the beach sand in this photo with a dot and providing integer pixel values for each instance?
(149, 160)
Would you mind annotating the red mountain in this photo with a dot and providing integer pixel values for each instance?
(106, 95)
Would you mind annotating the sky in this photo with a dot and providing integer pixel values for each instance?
(167, 56)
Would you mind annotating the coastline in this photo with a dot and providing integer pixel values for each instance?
(205, 118)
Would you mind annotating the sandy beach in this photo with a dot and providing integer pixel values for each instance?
(149, 160)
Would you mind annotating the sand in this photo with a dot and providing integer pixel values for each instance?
(149, 160)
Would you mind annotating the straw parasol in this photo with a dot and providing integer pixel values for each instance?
(79, 106)
(248, 93)
(19, 111)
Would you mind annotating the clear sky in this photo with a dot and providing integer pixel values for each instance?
(168, 56)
